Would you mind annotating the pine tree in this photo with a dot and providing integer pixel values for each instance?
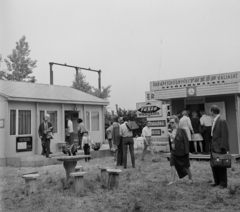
(19, 64)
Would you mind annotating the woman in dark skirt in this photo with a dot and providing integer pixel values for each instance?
(179, 160)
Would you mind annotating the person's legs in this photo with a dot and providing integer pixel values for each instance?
(110, 143)
(85, 149)
(222, 174)
(207, 139)
(79, 140)
(201, 146)
(215, 175)
(195, 146)
(173, 174)
(120, 154)
(47, 144)
(189, 173)
(125, 148)
(71, 139)
(144, 151)
(131, 149)
(43, 148)
(152, 151)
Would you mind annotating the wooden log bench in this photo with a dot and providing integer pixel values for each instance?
(30, 183)
(78, 181)
(78, 169)
(113, 178)
(104, 176)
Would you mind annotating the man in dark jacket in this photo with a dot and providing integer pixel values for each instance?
(45, 134)
(220, 145)
(117, 140)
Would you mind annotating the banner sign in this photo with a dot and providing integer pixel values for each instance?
(149, 109)
(226, 78)
(156, 132)
(159, 123)
(24, 144)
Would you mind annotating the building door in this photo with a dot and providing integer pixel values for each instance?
(74, 115)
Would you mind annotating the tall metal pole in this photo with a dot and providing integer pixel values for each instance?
(99, 80)
(51, 74)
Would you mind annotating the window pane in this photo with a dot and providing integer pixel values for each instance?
(12, 122)
(24, 122)
(88, 120)
(95, 121)
(53, 120)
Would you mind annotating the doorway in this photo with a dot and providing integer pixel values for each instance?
(74, 115)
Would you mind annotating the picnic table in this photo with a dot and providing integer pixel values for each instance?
(70, 162)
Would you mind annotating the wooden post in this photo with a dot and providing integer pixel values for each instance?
(104, 177)
(30, 183)
(78, 182)
(113, 178)
(70, 168)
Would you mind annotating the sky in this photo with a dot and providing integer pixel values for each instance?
(131, 42)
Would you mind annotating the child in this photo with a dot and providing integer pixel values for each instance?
(86, 142)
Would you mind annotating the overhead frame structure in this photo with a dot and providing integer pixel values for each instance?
(77, 68)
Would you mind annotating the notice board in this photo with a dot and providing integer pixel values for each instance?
(24, 144)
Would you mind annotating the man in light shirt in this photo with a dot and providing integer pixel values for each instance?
(127, 140)
(206, 123)
(69, 134)
(147, 134)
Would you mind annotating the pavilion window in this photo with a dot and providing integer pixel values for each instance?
(95, 121)
(12, 122)
(24, 122)
(88, 120)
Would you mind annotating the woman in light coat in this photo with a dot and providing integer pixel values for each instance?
(185, 123)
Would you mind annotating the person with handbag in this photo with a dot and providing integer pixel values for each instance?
(179, 158)
(45, 134)
(147, 134)
(219, 146)
(81, 130)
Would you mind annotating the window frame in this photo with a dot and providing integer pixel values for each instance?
(90, 120)
(17, 122)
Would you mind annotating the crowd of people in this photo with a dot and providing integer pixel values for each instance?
(213, 130)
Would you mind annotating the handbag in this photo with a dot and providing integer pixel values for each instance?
(221, 160)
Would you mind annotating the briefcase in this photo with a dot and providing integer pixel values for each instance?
(221, 160)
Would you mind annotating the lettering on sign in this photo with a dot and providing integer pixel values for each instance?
(149, 96)
(226, 78)
(156, 132)
(159, 123)
(149, 109)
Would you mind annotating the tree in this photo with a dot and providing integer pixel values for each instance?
(81, 84)
(19, 64)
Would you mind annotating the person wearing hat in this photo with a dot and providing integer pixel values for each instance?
(45, 134)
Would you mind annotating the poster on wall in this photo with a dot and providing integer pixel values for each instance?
(24, 144)
(221, 105)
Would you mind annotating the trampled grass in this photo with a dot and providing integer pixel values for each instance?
(140, 189)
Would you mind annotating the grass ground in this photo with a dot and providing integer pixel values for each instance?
(140, 189)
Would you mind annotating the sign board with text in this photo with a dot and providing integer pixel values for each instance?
(226, 78)
(149, 109)
(24, 144)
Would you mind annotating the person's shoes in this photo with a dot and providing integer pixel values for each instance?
(48, 157)
(154, 160)
(125, 167)
(142, 159)
(214, 184)
(195, 153)
(190, 182)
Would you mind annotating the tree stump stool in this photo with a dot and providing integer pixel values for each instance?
(78, 169)
(104, 176)
(113, 178)
(78, 182)
(30, 183)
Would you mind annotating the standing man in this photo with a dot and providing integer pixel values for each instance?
(117, 140)
(206, 124)
(69, 134)
(109, 135)
(147, 134)
(45, 134)
(127, 140)
(220, 145)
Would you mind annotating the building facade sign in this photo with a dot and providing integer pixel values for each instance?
(149, 96)
(149, 109)
(226, 78)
